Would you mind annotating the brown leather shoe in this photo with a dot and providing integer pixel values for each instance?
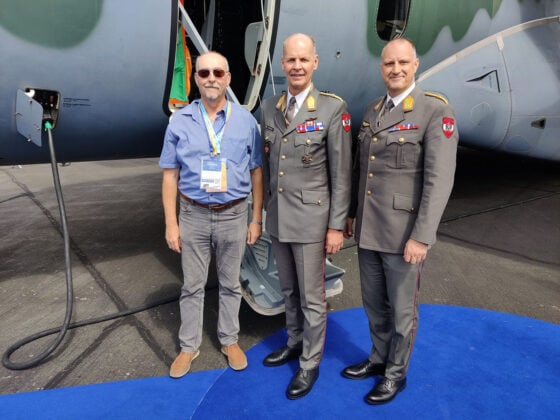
(236, 358)
(182, 363)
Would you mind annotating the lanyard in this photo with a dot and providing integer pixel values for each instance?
(215, 138)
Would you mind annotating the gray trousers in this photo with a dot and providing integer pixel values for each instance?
(390, 296)
(201, 231)
(301, 270)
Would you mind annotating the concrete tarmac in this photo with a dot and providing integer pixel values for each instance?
(498, 249)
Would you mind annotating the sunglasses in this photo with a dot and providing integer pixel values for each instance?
(204, 73)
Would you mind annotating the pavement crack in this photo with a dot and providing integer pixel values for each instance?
(500, 207)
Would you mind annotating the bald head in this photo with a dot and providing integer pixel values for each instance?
(299, 61)
(400, 41)
(214, 57)
(302, 39)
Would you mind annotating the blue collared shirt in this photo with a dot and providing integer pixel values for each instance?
(186, 144)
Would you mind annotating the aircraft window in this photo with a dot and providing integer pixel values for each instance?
(392, 17)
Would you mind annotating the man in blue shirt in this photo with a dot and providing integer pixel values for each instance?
(212, 155)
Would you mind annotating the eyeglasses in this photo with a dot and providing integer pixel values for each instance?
(204, 73)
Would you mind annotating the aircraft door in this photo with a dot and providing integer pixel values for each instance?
(242, 32)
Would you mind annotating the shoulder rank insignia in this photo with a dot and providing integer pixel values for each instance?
(437, 96)
(332, 95)
(408, 104)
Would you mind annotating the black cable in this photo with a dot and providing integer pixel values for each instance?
(15, 366)
(14, 198)
(69, 289)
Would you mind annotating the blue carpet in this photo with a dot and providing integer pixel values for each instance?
(467, 364)
(151, 398)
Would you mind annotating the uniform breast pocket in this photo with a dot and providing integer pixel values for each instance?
(310, 147)
(313, 139)
(405, 148)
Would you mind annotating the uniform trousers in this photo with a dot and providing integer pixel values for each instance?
(301, 271)
(203, 230)
(390, 289)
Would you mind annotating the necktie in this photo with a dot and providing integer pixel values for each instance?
(290, 112)
(389, 106)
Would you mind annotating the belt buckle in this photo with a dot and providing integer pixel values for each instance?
(216, 207)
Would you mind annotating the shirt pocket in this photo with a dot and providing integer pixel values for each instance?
(236, 149)
(405, 148)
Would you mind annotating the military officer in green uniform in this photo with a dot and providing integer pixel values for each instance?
(307, 165)
(403, 176)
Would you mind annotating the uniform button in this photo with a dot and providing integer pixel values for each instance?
(280, 190)
(283, 157)
(370, 175)
(369, 192)
(372, 157)
(401, 140)
(319, 202)
(374, 139)
(412, 209)
(285, 140)
(280, 173)
(308, 141)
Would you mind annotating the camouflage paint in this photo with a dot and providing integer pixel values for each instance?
(428, 17)
(52, 23)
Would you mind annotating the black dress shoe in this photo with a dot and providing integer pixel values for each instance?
(385, 390)
(301, 383)
(364, 370)
(281, 356)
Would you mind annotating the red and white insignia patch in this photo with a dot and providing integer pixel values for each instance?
(448, 125)
(346, 122)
